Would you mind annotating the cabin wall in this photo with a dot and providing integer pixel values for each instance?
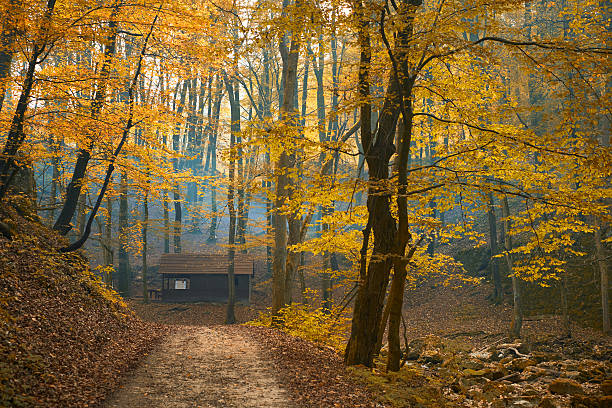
(205, 288)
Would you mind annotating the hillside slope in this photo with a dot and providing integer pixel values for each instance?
(64, 337)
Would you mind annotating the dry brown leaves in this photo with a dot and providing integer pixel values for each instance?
(61, 343)
(314, 375)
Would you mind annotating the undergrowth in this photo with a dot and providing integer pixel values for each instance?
(315, 324)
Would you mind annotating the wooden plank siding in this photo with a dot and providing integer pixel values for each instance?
(207, 278)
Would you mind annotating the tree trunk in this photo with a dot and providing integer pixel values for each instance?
(497, 284)
(7, 37)
(166, 223)
(517, 312)
(178, 212)
(145, 224)
(285, 162)
(603, 273)
(124, 260)
(108, 249)
(211, 162)
(234, 97)
(367, 312)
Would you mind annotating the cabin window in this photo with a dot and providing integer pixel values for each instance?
(181, 284)
(177, 283)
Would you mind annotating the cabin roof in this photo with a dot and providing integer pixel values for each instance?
(196, 264)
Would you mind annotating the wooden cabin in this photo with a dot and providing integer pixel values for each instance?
(203, 278)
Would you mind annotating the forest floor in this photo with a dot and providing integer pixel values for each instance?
(460, 355)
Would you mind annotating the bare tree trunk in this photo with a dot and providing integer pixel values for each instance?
(81, 213)
(178, 217)
(497, 284)
(603, 273)
(166, 223)
(145, 226)
(107, 241)
(285, 162)
(564, 305)
(234, 97)
(517, 312)
(211, 161)
(7, 36)
(124, 259)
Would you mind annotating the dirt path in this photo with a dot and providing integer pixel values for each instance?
(203, 367)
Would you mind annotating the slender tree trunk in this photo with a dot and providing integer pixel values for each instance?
(564, 305)
(286, 161)
(108, 231)
(124, 259)
(497, 284)
(7, 37)
(234, 97)
(517, 312)
(145, 226)
(166, 223)
(81, 213)
(212, 162)
(178, 219)
(55, 186)
(603, 273)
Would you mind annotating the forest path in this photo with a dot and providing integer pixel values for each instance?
(202, 367)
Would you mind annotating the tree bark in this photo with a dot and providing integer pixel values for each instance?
(145, 225)
(166, 223)
(603, 273)
(497, 284)
(517, 312)
(124, 259)
(389, 241)
(234, 97)
(280, 282)
(211, 162)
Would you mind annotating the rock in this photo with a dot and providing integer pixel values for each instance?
(414, 349)
(431, 357)
(495, 372)
(547, 402)
(521, 403)
(481, 355)
(592, 371)
(534, 372)
(605, 401)
(472, 364)
(573, 375)
(467, 382)
(583, 401)
(565, 386)
(494, 389)
(541, 356)
(606, 387)
(474, 373)
(519, 364)
(512, 378)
